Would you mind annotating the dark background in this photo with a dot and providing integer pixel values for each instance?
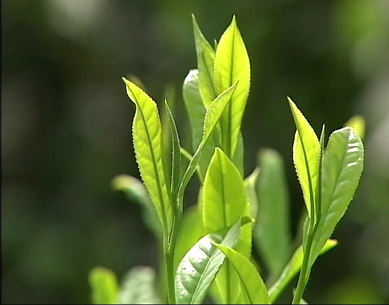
(66, 128)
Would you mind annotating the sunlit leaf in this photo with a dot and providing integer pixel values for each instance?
(306, 152)
(205, 65)
(292, 268)
(139, 287)
(232, 63)
(104, 285)
(272, 228)
(342, 169)
(250, 183)
(254, 288)
(198, 268)
(147, 138)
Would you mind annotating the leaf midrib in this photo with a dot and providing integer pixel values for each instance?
(162, 202)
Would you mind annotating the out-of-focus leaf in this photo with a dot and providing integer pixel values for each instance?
(198, 268)
(357, 122)
(232, 63)
(104, 285)
(147, 138)
(139, 287)
(306, 151)
(251, 282)
(342, 169)
(134, 189)
(292, 268)
(251, 184)
(272, 228)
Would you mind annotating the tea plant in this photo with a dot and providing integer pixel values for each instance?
(207, 248)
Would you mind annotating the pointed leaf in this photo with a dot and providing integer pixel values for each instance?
(176, 154)
(251, 184)
(135, 191)
(342, 169)
(232, 63)
(293, 268)
(139, 287)
(272, 228)
(251, 282)
(147, 137)
(198, 268)
(104, 285)
(306, 151)
(239, 155)
(205, 65)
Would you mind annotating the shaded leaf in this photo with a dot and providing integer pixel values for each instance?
(272, 228)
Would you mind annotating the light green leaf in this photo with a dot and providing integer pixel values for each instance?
(224, 202)
(306, 153)
(357, 122)
(104, 285)
(342, 169)
(232, 63)
(190, 233)
(272, 228)
(224, 194)
(198, 268)
(251, 184)
(212, 117)
(139, 287)
(148, 145)
(292, 268)
(205, 65)
(251, 282)
(176, 154)
(134, 189)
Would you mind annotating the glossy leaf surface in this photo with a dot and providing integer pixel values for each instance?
(147, 138)
(139, 287)
(104, 285)
(306, 152)
(232, 63)
(253, 287)
(342, 169)
(272, 228)
(357, 122)
(198, 268)
(292, 268)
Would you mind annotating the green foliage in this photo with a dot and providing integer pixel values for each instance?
(104, 285)
(207, 247)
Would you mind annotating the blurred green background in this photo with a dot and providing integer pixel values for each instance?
(66, 128)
